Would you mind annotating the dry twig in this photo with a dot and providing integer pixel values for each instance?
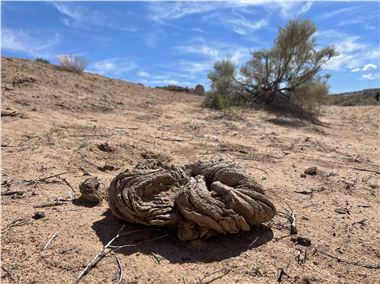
(118, 277)
(223, 272)
(44, 179)
(8, 273)
(110, 248)
(348, 261)
(15, 223)
(49, 241)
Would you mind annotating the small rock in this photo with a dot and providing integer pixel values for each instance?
(38, 215)
(303, 176)
(105, 147)
(342, 211)
(107, 167)
(89, 190)
(303, 241)
(312, 171)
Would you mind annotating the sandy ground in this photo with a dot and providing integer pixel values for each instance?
(53, 122)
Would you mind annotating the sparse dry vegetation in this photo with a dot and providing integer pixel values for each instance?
(284, 76)
(72, 63)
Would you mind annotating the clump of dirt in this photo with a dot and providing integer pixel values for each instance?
(199, 200)
(90, 191)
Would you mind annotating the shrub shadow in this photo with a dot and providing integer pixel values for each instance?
(175, 250)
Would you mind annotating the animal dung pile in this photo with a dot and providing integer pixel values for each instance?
(198, 200)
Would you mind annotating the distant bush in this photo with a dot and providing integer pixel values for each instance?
(199, 90)
(42, 60)
(71, 63)
(223, 87)
(175, 88)
(284, 76)
(359, 98)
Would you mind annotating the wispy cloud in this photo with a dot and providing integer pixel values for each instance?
(337, 12)
(18, 40)
(365, 68)
(243, 26)
(166, 11)
(212, 50)
(371, 76)
(353, 51)
(114, 67)
(76, 16)
(163, 11)
(79, 16)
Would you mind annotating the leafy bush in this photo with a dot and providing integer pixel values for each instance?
(223, 87)
(199, 90)
(42, 60)
(71, 63)
(285, 74)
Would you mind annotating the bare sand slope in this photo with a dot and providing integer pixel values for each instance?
(54, 121)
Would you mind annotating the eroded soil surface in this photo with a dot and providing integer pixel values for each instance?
(60, 128)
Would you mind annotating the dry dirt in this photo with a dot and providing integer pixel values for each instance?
(55, 122)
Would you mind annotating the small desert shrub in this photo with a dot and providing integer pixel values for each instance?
(42, 60)
(71, 63)
(199, 90)
(223, 88)
(284, 77)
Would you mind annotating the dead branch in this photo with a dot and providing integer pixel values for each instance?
(17, 192)
(348, 261)
(224, 272)
(69, 185)
(110, 248)
(8, 273)
(116, 248)
(57, 203)
(49, 241)
(291, 216)
(172, 139)
(157, 257)
(304, 192)
(98, 257)
(118, 277)
(15, 223)
(253, 242)
(281, 274)
(44, 179)
(366, 170)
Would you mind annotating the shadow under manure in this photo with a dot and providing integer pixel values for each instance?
(174, 250)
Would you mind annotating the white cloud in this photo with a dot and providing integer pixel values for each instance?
(166, 11)
(143, 74)
(353, 51)
(212, 51)
(29, 43)
(356, 70)
(369, 67)
(243, 26)
(78, 16)
(371, 76)
(114, 67)
(337, 12)
(161, 11)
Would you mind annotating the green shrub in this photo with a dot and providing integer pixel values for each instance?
(286, 74)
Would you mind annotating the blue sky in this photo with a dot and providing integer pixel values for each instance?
(160, 43)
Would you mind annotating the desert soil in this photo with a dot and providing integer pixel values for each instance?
(53, 123)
